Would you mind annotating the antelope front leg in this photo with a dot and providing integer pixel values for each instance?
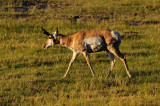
(86, 55)
(71, 62)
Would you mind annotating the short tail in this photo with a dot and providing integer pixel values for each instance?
(116, 36)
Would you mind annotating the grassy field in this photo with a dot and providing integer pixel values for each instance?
(30, 75)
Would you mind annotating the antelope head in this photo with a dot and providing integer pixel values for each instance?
(52, 38)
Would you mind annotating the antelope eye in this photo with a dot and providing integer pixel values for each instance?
(50, 37)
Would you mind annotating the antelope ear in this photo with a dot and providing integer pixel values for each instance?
(45, 32)
(55, 33)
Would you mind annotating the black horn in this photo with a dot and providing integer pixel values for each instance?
(45, 32)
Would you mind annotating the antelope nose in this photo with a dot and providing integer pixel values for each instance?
(44, 47)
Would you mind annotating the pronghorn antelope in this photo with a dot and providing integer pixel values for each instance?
(89, 41)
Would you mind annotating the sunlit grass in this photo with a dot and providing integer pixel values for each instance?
(30, 75)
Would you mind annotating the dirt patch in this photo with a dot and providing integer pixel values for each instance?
(138, 23)
(131, 35)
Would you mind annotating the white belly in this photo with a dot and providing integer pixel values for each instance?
(94, 44)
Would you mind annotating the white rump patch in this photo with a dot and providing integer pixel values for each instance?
(116, 35)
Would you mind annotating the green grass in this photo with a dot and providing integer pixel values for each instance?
(30, 75)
